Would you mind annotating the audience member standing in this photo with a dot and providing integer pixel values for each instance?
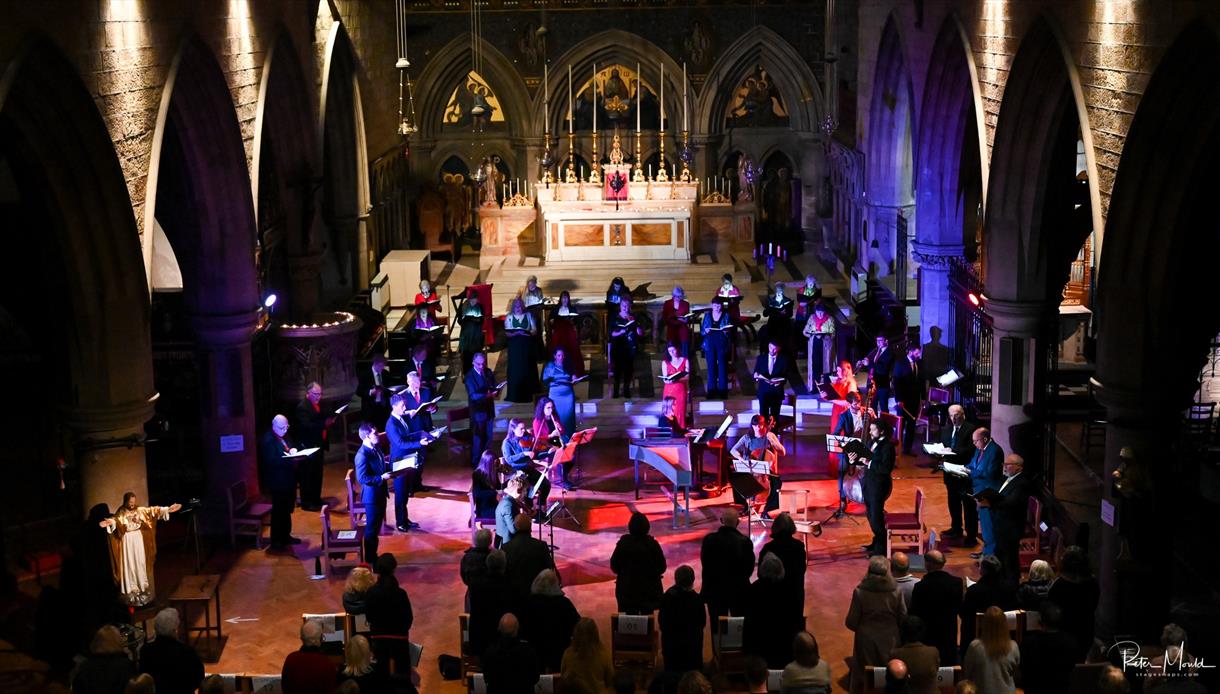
(900, 569)
(876, 615)
(936, 599)
(681, 619)
(175, 667)
(510, 665)
(1034, 591)
(548, 619)
(1076, 591)
(772, 619)
(727, 560)
(991, 590)
(389, 613)
(922, 660)
(639, 564)
(791, 552)
(491, 597)
(356, 589)
(586, 664)
(1048, 655)
(527, 556)
(992, 659)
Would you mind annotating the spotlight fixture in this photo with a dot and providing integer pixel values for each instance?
(269, 301)
(975, 299)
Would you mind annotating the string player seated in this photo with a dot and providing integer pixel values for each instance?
(518, 453)
(760, 444)
(549, 436)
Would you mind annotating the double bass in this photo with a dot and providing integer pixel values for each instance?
(852, 486)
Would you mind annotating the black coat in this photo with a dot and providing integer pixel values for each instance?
(1009, 511)
(908, 385)
(780, 371)
(936, 599)
(727, 559)
(989, 591)
(639, 564)
(771, 622)
(370, 466)
(527, 557)
(174, 666)
(490, 598)
(682, 619)
(1047, 660)
(279, 472)
(103, 674)
(877, 482)
(388, 608)
(1078, 600)
(510, 666)
(482, 403)
(547, 623)
(882, 367)
(309, 424)
(962, 445)
(791, 552)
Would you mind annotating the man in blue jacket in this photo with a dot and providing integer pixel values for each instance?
(372, 471)
(986, 472)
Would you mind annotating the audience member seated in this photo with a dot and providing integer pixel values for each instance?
(510, 665)
(1048, 655)
(1077, 593)
(991, 660)
(308, 671)
(770, 621)
(1032, 593)
(808, 673)
(485, 486)
(174, 666)
(212, 684)
(547, 620)
(876, 615)
(791, 552)
(1113, 681)
(897, 677)
(356, 589)
(474, 560)
(527, 556)
(681, 619)
(900, 569)
(694, 683)
(727, 560)
(586, 663)
(1173, 672)
(639, 565)
(107, 668)
(936, 599)
(360, 667)
(142, 684)
(756, 675)
(966, 687)
(922, 661)
(491, 597)
(991, 590)
(389, 614)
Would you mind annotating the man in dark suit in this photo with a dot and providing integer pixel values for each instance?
(510, 665)
(727, 561)
(481, 390)
(527, 557)
(280, 474)
(389, 612)
(424, 366)
(311, 426)
(936, 599)
(403, 443)
(986, 472)
(958, 435)
(682, 619)
(419, 420)
(372, 472)
(375, 383)
(877, 483)
(991, 589)
(908, 393)
(880, 363)
(767, 368)
(1008, 512)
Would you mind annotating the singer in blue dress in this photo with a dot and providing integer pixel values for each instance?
(560, 390)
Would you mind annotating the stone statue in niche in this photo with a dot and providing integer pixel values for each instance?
(531, 43)
(697, 44)
(746, 174)
(776, 213)
(492, 179)
(458, 199)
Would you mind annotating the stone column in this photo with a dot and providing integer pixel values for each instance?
(1020, 320)
(226, 406)
(1136, 587)
(935, 298)
(110, 459)
(304, 277)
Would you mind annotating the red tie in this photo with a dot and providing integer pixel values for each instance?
(283, 443)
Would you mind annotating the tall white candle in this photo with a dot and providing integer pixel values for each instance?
(639, 95)
(546, 101)
(570, 112)
(594, 97)
(685, 118)
(662, 97)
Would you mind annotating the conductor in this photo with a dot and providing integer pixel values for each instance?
(877, 484)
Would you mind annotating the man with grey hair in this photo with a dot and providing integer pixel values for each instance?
(510, 664)
(173, 665)
(727, 559)
(936, 599)
(900, 568)
(963, 513)
(308, 671)
(312, 424)
(279, 476)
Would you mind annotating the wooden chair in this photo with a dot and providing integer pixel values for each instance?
(631, 645)
(470, 661)
(336, 550)
(1198, 425)
(246, 517)
(795, 502)
(1016, 624)
(727, 646)
(336, 631)
(946, 679)
(355, 507)
(931, 412)
(905, 531)
(895, 424)
(477, 522)
(458, 438)
(1093, 431)
(1029, 547)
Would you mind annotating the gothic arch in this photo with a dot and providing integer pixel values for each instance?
(1161, 225)
(950, 120)
(450, 64)
(50, 129)
(461, 150)
(1041, 95)
(889, 145)
(795, 81)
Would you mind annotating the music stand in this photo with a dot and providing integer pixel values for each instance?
(743, 482)
(581, 437)
(841, 445)
(548, 520)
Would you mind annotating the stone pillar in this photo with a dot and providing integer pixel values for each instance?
(1021, 321)
(1136, 588)
(935, 298)
(305, 280)
(226, 404)
(108, 465)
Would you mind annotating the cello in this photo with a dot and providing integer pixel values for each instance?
(852, 487)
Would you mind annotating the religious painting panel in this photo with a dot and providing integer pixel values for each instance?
(651, 234)
(623, 100)
(756, 102)
(584, 235)
(473, 105)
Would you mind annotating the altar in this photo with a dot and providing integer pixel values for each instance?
(651, 221)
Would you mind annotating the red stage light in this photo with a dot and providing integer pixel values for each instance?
(974, 299)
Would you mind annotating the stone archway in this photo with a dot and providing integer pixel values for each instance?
(889, 156)
(286, 181)
(199, 193)
(951, 178)
(1156, 328)
(89, 345)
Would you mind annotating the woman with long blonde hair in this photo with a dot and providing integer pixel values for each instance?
(586, 667)
(360, 665)
(993, 658)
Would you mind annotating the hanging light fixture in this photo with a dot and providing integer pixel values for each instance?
(406, 117)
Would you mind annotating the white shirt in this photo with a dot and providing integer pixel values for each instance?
(1007, 481)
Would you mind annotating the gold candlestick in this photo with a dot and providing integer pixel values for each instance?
(594, 176)
(661, 175)
(685, 176)
(637, 176)
(569, 175)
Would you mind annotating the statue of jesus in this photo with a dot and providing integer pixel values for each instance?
(133, 547)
